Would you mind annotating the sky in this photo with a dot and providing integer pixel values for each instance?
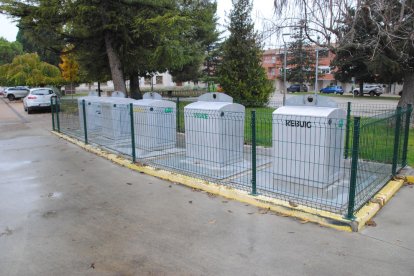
(261, 9)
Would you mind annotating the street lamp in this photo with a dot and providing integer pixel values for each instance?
(284, 69)
(316, 66)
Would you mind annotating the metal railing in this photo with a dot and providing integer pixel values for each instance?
(337, 166)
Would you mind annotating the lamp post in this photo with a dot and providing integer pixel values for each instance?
(316, 66)
(284, 68)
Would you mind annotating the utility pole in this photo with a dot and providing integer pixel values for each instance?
(316, 65)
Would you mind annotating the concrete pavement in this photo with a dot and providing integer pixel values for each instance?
(64, 211)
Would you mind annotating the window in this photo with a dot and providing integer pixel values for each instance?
(147, 81)
(324, 70)
(158, 80)
(323, 53)
(271, 71)
(40, 92)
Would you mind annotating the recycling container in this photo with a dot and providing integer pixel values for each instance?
(308, 138)
(116, 120)
(93, 112)
(155, 123)
(214, 130)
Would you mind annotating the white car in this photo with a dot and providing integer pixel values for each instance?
(370, 89)
(13, 93)
(38, 99)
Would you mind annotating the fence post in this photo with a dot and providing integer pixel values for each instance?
(178, 114)
(85, 129)
(131, 115)
(57, 106)
(406, 134)
(53, 114)
(396, 140)
(354, 169)
(253, 128)
(348, 127)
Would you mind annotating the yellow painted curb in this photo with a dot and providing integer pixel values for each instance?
(377, 202)
(410, 179)
(282, 208)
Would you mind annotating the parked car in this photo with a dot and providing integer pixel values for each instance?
(14, 93)
(38, 99)
(297, 88)
(335, 89)
(370, 89)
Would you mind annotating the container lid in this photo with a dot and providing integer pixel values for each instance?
(310, 100)
(118, 94)
(152, 96)
(309, 111)
(215, 97)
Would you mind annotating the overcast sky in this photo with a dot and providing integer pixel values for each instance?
(261, 9)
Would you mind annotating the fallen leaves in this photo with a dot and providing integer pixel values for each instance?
(371, 223)
(293, 204)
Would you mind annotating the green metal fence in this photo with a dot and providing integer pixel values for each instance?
(337, 166)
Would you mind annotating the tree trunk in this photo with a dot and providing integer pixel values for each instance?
(407, 96)
(134, 87)
(115, 65)
(361, 88)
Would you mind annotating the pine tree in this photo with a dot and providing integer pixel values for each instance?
(241, 74)
(300, 59)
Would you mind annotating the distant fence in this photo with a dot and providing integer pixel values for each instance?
(338, 166)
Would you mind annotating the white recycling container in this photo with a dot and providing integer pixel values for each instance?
(93, 112)
(116, 120)
(214, 130)
(308, 139)
(154, 123)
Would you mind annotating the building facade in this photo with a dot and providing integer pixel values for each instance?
(273, 62)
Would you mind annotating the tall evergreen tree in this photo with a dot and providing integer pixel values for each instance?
(301, 58)
(241, 74)
(33, 42)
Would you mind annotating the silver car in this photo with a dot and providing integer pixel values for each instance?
(38, 99)
(13, 93)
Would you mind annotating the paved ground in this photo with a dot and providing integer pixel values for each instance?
(64, 211)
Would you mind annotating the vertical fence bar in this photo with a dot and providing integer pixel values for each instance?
(85, 129)
(253, 129)
(53, 113)
(178, 114)
(348, 127)
(57, 106)
(131, 115)
(354, 168)
(406, 134)
(396, 140)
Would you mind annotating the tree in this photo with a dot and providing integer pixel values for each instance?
(205, 35)
(8, 50)
(241, 74)
(69, 68)
(212, 62)
(301, 58)
(140, 37)
(38, 43)
(28, 69)
(386, 40)
(359, 61)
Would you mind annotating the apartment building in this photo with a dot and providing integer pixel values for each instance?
(273, 60)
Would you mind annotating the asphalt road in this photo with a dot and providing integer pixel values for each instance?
(64, 211)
